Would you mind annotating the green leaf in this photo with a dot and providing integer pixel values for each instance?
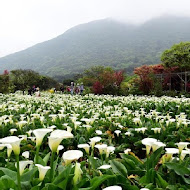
(46, 158)
(118, 168)
(63, 175)
(149, 177)
(97, 181)
(27, 176)
(6, 183)
(10, 173)
(161, 182)
(136, 160)
(40, 161)
(35, 188)
(153, 159)
(178, 168)
(93, 162)
(51, 186)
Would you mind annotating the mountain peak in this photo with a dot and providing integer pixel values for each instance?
(103, 42)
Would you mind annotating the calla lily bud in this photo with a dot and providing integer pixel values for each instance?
(78, 173)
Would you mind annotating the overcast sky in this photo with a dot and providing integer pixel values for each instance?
(24, 23)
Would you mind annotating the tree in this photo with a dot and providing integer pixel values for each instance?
(103, 80)
(4, 82)
(178, 55)
(25, 79)
(145, 81)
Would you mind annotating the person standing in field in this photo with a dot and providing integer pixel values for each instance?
(81, 88)
(37, 92)
(72, 88)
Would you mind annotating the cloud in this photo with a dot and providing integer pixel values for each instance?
(24, 23)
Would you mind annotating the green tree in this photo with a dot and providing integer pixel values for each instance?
(4, 83)
(178, 55)
(25, 79)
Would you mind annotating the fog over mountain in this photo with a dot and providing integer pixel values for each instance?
(103, 42)
(26, 23)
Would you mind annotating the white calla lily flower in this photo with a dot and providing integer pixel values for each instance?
(127, 151)
(60, 147)
(85, 146)
(157, 145)
(71, 155)
(94, 140)
(56, 137)
(101, 147)
(12, 131)
(114, 187)
(148, 142)
(98, 132)
(117, 132)
(182, 145)
(183, 154)
(26, 154)
(170, 152)
(110, 149)
(40, 134)
(23, 164)
(14, 142)
(104, 167)
(42, 171)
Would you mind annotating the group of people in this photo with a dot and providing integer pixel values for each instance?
(34, 90)
(73, 89)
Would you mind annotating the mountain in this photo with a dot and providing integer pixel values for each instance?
(103, 42)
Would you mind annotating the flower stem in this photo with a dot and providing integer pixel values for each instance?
(51, 165)
(18, 172)
(37, 153)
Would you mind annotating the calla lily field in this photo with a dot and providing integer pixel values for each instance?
(93, 142)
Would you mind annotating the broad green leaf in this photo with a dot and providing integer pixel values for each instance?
(35, 188)
(161, 182)
(97, 181)
(6, 183)
(153, 159)
(63, 175)
(178, 168)
(10, 173)
(51, 186)
(27, 176)
(118, 168)
(46, 158)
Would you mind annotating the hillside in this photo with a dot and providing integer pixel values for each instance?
(104, 42)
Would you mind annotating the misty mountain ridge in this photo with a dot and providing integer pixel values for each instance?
(103, 42)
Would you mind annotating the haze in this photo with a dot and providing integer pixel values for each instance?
(24, 23)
